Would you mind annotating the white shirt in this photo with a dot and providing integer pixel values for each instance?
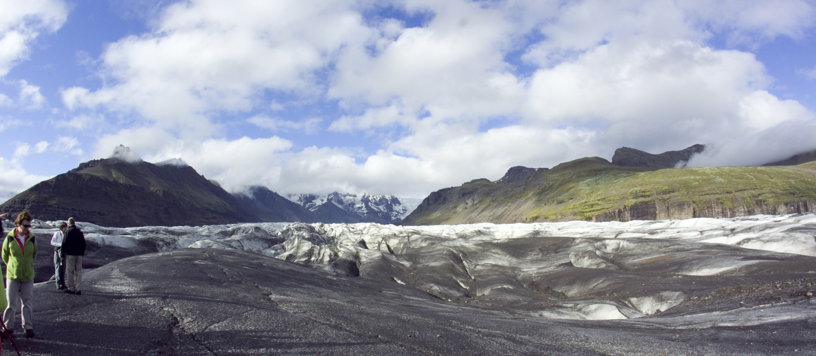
(56, 240)
(21, 238)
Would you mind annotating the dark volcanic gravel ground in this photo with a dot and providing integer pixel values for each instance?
(214, 302)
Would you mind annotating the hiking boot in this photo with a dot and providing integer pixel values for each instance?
(7, 332)
(29, 333)
(62, 287)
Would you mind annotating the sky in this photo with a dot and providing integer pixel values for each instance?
(398, 97)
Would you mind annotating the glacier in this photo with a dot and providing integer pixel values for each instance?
(563, 270)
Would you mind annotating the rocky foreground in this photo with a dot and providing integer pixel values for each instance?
(214, 302)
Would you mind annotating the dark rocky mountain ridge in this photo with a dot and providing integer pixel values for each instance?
(114, 192)
(630, 157)
(795, 159)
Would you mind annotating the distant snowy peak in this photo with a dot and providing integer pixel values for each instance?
(369, 207)
(308, 201)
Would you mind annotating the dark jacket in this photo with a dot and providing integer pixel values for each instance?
(74, 242)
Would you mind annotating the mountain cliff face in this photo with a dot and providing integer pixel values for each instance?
(595, 189)
(630, 157)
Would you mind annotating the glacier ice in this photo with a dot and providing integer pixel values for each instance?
(571, 270)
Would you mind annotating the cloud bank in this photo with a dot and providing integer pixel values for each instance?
(407, 97)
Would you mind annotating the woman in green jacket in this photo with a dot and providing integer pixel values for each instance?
(3, 217)
(19, 251)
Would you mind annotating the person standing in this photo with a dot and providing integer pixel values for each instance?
(3, 303)
(19, 252)
(73, 248)
(59, 260)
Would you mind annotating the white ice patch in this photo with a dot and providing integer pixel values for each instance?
(123, 241)
(583, 311)
(715, 267)
(649, 305)
(581, 288)
(487, 290)
(589, 259)
(209, 244)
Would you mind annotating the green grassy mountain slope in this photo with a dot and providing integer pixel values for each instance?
(595, 189)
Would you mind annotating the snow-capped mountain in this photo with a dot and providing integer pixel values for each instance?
(351, 208)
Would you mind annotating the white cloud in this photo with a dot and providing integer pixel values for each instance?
(374, 118)
(209, 56)
(235, 164)
(9, 123)
(82, 122)
(772, 130)
(5, 100)
(308, 125)
(453, 68)
(68, 145)
(14, 179)
(22, 150)
(429, 161)
(145, 141)
(21, 22)
(583, 25)
(30, 95)
(761, 111)
(75, 97)
(752, 22)
(809, 73)
(603, 74)
(41, 147)
(646, 95)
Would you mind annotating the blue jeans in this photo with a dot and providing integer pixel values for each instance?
(59, 268)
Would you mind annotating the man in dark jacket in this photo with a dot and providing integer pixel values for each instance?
(73, 247)
(2, 217)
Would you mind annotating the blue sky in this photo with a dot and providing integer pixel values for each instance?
(398, 97)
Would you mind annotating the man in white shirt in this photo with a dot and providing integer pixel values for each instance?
(59, 259)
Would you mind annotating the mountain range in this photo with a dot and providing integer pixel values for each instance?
(636, 185)
(350, 208)
(125, 191)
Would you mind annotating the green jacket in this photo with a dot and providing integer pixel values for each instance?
(19, 262)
